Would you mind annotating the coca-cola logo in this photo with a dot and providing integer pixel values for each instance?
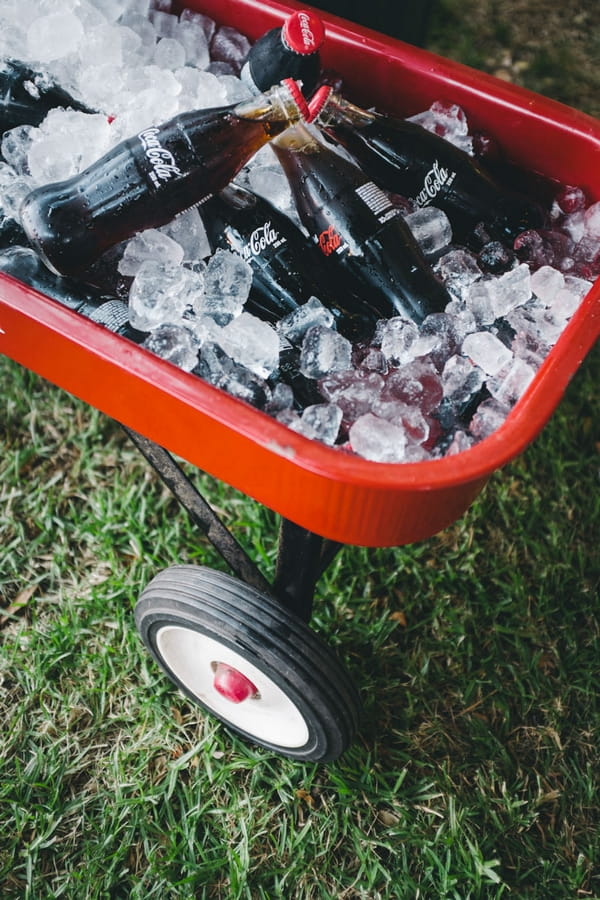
(436, 179)
(329, 241)
(306, 31)
(303, 33)
(262, 237)
(161, 160)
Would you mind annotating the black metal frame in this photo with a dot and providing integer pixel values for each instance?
(302, 555)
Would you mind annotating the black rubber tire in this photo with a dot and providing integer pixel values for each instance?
(266, 635)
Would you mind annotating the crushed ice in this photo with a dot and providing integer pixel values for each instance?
(412, 393)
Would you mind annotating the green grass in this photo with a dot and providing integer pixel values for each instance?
(549, 48)
(475, 771)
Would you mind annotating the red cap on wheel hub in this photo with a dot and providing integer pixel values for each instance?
(232, 685)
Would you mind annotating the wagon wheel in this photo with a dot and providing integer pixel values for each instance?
(250, 662)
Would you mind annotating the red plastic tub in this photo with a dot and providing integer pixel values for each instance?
(347, 499)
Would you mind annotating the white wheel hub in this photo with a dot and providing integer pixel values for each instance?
(270, 716)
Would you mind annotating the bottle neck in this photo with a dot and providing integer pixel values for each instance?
(336, 110)
(282, 103)
(297, 139)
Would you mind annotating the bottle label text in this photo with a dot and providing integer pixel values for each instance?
(438, 179)
(162, 162)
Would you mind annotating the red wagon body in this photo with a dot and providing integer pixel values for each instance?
(338, 496)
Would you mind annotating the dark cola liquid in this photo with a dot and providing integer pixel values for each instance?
(369, 250)
(26, 96)
(144, 182)
(286, 266)
(412, 161)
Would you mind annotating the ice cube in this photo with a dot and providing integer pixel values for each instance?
(252, 343)
(66, 143)
(192, 36)
(574, 225)
(448, 121)
(229, 46)
(190, 17)
(103, 45)
(227, 283)
(282, 399)
(535, 322)
(486, 351)
(458, 269)
(416, 384)
(460, 442)
(169, 53)
(321, 422)
(462, 317)
(174, 343)
(270, 182)
(156, 296)
(323, 351)
(398, 335)
(431, 229)
(511, 382)
(371, 360)
(511, 290)
(578, 286)
(235, 90)
(54, 36)
(377, 439)
(16, 144)
(199, 89)
(480, 301)
(111, 9)
(591, 220)
(103, 87)
(188, 230)
(528, 348)
(461, 380)
(14, 193)
(493, 297)
(411, 419)
(546, 282)
(294, 325)
(220, 370)
(353, 391)
(564, 304)
(150, 245)
(156, 101)
(490, 416)
(438, 338)
(165, 23)
(12, 40)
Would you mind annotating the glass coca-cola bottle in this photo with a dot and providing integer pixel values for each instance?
(26, 96)
(111, 312)
(369, 250)
(146, 180)
(291, 51)
(409, 160)
(287, 268)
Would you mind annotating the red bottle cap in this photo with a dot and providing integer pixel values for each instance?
(318, 101)
(303, 32)
(298, 97)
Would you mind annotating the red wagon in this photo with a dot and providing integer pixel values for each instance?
(240, 646)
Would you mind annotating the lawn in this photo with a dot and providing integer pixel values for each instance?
(476, 652)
